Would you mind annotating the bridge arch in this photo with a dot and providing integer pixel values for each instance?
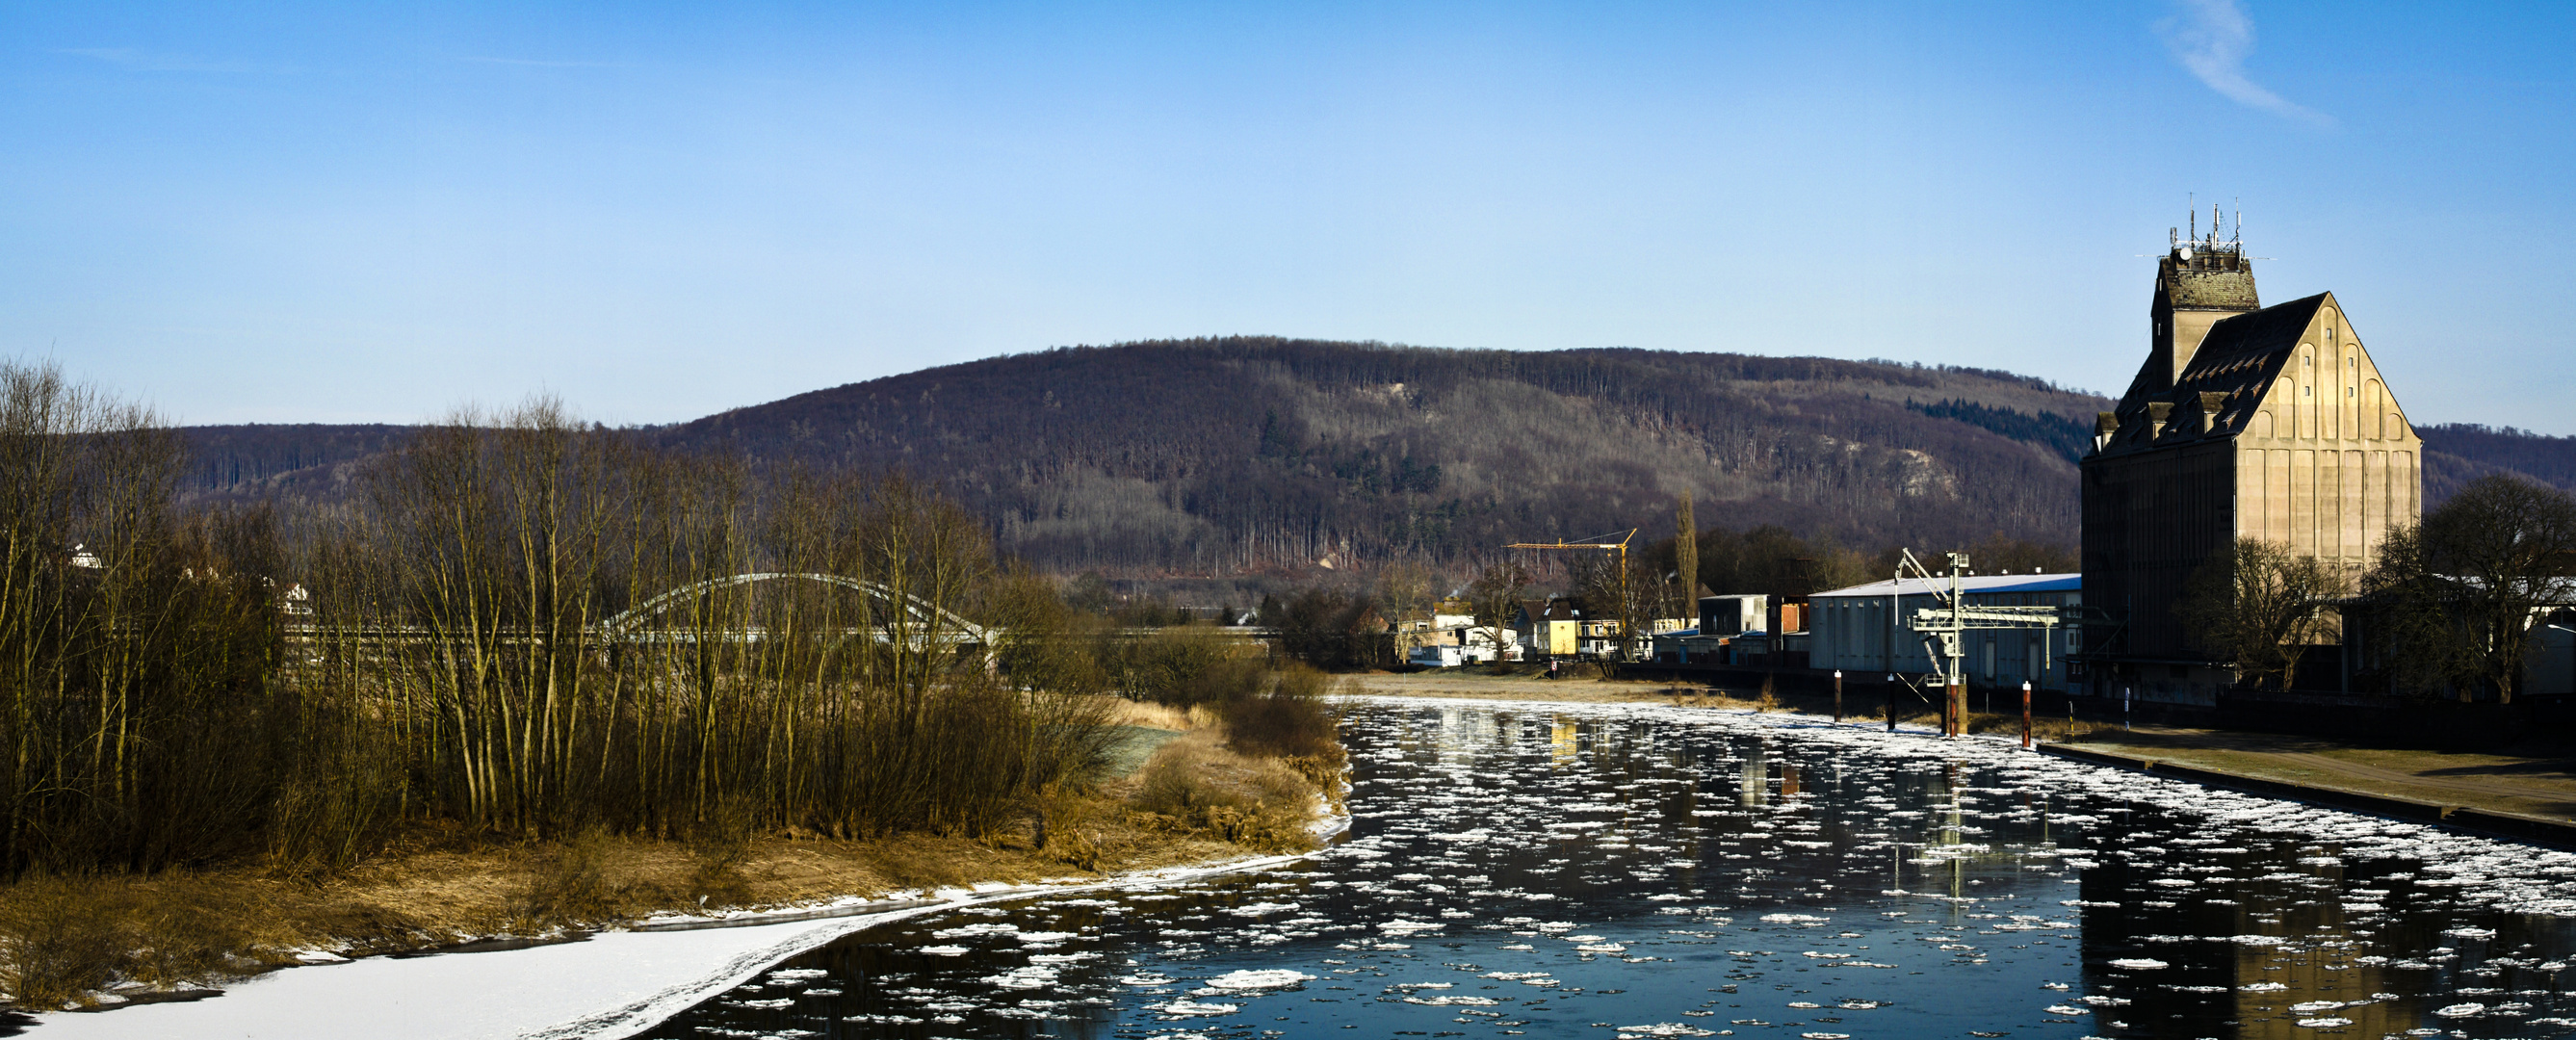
(617, 627)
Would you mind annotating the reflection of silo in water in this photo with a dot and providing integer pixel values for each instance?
(1459, 734)
(1756, 786)
(2315, 966)
(1561, 742)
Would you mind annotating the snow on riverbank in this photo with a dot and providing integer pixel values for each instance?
(611, 985)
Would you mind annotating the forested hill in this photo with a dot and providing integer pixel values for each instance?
(2457, 453)
(1222, 456)
(1225, 455)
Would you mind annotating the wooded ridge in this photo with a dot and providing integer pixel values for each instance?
(1239, 455)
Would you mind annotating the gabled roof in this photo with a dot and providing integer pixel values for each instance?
(2235, 364)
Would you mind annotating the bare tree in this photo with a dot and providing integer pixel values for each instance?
(1405, 590)
(2455, 597)
(2260, 606)
(1494, 595)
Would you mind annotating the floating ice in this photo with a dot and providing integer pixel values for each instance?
(944, 951)
(1258, 979)
(1031, 976)
(2138, 963)
(987, 928)
(1187, 1008)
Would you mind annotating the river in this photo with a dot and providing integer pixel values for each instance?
(1623, 871)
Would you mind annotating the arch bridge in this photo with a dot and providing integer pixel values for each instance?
(930, 621)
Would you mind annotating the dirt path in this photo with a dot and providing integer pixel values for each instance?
(2465, 788)
(2535, 778)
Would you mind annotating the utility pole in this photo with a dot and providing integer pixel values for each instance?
(1944, 626)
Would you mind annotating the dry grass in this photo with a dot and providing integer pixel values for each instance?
(1124, 712)
(1196, 786)
(65, 940)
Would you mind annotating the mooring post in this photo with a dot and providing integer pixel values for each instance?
(1838, 696)
(1891, 703)
(1955, 706)
(2025, 715)
(2124, 708)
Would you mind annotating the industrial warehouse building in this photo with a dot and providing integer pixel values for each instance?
(1849, 630)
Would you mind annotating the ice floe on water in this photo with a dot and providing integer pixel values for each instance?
(1556, 869)
(1259, 978)
(1186, 1008)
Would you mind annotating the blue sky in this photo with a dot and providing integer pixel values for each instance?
(277, 213)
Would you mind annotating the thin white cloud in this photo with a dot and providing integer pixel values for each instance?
(2211, 38)
(539, 63)
(147, 61)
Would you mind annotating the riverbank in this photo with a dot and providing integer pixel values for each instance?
(1858, 706)
(604, 985)
(106, 942)
(2533, 779)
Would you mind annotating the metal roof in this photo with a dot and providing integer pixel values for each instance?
(1974, 583)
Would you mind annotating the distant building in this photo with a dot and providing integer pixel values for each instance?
(1551, 627)
(2245, 421)
(1850, 629)
(1727, 615)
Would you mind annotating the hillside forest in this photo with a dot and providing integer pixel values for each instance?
(1231, 465)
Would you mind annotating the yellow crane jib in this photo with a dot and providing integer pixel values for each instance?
(1601, 542)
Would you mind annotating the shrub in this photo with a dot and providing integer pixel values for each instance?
(64, 938)
(60, 940)
(1192, 788)
(1291, 720)
(568, 886)
(1182, 667)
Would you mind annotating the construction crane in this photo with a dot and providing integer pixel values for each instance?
(1602, 542)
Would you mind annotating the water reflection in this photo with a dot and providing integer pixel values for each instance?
(1632, 872)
